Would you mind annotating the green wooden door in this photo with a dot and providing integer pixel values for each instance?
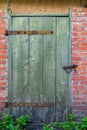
(36, 77)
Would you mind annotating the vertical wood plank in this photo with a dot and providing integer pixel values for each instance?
(35, 66)
(49, 68)
(62, 55)
(20, 62)
(10, 64)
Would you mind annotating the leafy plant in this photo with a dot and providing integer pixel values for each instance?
(84, 124)
(8, 123)
(68, 125)
(21, 122)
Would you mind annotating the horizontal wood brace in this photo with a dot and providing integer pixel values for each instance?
(31, 32)
(33, 104)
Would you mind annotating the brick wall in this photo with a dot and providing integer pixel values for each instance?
(3, 61)
(79, 57)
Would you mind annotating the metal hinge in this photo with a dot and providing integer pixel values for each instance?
(31, 32)
(33, 104)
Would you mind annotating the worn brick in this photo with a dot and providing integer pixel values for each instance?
(79, 19)
(79, 88)
(3, 57)
(79, 39)
(3, 31)
(76, 14)
(81, 68)
(80, 29)
(80, 107)
(3, 83)
(3, 41)
(3, 15)
(76, 102)
(83, 14)
(79, 97)
(75, 93)
(3, 46)
(4, 51)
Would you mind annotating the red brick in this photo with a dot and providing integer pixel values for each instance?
(3, 93)
(76, 14)
(3, 46)
(84, 48)
(75, 62)
(2, 36)
(79, 78)
(3, 56)
(79, 9)
(75, 83)
(75, 93)
(83, 53)
(3, 26)
(78, 58)
(83, 82)
(2, 21)
(79, 19)
(81, 68)
(76, 48)
(84, 63)
(2, 87)
(76, 102)
(83, 73)
(3, 51)
(3, 72)
(77, 73)
(84, 102)
(84, 92)
(3, 31)
(84, 44)
(76, 24)
(79, 29)
(84, 23)
(78, 87)
(3, 15)
(75, 44)
(3, 77)
(84, 33)
(2, 68)
(3, 83)
(74, 9)
(3, 41)
(84, 14)
(80, 97)
(80, 107)
(76, 34)
(79, 39)
(3, 98)
(3, 62)
(75, 54)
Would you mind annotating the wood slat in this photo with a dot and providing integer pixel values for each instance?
(62, 54)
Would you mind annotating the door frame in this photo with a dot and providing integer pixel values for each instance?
(10, 15)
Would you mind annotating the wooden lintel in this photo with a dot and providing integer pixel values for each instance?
(35, 104)
(32, 32)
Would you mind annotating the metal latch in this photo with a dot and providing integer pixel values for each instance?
(68, 69)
